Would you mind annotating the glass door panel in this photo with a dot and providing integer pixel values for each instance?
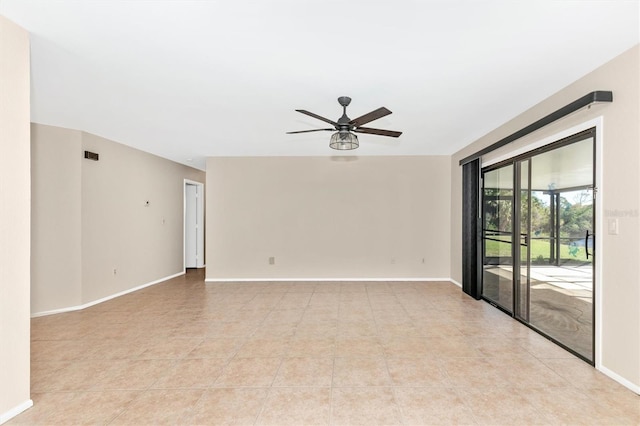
(497, 237)
(561, 271)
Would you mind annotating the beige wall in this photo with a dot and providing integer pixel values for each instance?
(327, 217)
(144, 243)
(55, 218)
(620, 190)
(90, 218)
(14, 220)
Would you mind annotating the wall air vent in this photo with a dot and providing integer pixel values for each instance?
(91, 155)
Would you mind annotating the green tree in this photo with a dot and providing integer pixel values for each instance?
(575, 219)
(540, 215)
(497, 209)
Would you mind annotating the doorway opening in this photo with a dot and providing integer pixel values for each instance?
(193, 225)
(538, 231)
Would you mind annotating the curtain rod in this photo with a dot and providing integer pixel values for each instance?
(593, 97)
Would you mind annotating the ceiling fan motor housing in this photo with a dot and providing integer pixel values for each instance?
(344, 120)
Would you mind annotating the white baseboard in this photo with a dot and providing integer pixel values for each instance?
(6, 416)
(624, 382)
(239, 280)
(455, 282)
(104, 299)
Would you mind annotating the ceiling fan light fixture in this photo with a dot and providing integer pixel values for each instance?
(344, 140)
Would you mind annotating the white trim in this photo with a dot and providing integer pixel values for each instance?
(596, 122)
(8, 415)
(455, 282)
(624, 382)
(229, 280)
(104, 299)
(599, 227)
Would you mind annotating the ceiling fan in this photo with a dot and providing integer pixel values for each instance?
(344, 138)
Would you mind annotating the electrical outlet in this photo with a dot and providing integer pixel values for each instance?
(115, 271)
(272, 260)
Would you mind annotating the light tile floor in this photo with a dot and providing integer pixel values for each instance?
(186, 352)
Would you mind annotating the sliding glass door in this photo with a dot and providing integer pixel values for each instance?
(538, 240)
(497, 237)
(562, 232)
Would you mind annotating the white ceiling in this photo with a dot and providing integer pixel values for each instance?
(191, 79)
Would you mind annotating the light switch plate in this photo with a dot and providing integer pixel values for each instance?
(613, 226)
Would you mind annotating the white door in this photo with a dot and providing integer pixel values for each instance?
(191, 226)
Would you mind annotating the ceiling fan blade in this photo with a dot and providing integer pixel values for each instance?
(380, 132)
(373, 115)
(307, 131)
(310, 114)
